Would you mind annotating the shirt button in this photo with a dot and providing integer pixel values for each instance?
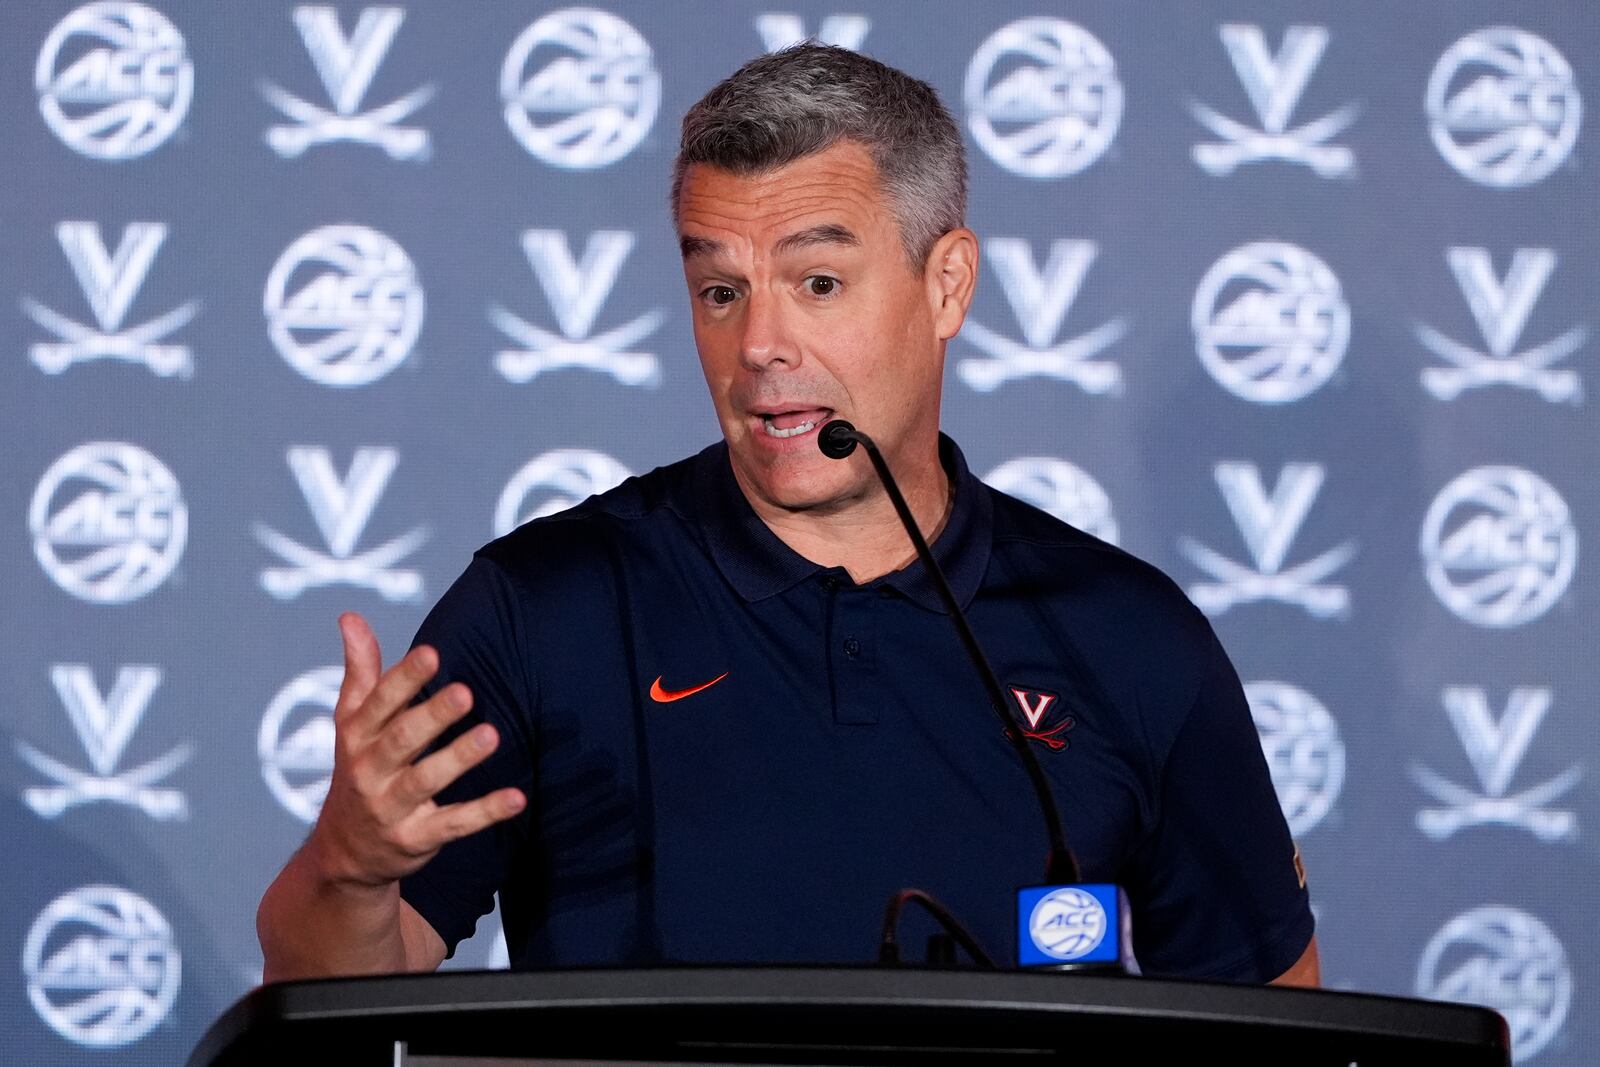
(852, 647)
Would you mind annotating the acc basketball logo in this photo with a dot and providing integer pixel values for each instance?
(593, 94)
(1068, 924)
(576, 290)
(119, 527)
(1507, 960)
(1041, 299)
(1061, 489)
(1274, 84)
(105, 723)
(555, 482)
(295, 742)
(1270, 322)
(114, 80)
(101, 966)
(111, 282)
(1269, 524)
(343, 305)
(342, 507)
(1303, 750)
(1499, 545)
(1501, 308)
(1495, 746)
(1503, 107)
(346, 66)
(779, 30)
(1043, 99)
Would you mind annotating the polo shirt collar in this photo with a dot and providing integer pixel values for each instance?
(759, 565)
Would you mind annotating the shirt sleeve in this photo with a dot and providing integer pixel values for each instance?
(1215, 888)
(476, 628)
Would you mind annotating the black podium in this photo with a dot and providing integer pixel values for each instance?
(833, 1015)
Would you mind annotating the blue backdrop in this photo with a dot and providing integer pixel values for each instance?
(302, 303)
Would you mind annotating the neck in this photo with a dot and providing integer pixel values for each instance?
(865, 536)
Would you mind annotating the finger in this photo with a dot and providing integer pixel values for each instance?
(395, 690)
(423, 779)
(454, 821)
(363, 662)
(405, 736)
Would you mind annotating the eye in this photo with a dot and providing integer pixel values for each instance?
(720, 295)
(822, 285)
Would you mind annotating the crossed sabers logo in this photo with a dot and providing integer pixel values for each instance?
(1495, 748)
(1269, 525)
(341, 508)
(1041, 299)
(1274, 84)
(1501, 308)
(780, 30)
(111, 282)
(1034, 704)
(104, 724)
(346, 65)
(576, 290)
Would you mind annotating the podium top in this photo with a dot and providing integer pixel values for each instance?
(833, 1015)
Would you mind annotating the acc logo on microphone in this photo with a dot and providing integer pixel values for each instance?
(295, 742)
(1503, 107)
(101, 966)
(1270, 322)
(1043, 99)
(1304, 753)
(343, 305)
(1507, 960)
(1068, 924)
(1060, 489)
(553, 482)
(108, 522)
(593, 94)
(1499, 545)
(114, 80)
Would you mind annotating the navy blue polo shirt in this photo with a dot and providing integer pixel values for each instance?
(733, 754)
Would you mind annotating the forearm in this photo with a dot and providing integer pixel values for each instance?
(313, 927)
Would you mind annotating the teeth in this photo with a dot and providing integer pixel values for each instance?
(793, 431)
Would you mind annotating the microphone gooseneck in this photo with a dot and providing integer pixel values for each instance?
(837, 439)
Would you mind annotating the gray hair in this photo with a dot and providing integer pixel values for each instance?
(809, 97)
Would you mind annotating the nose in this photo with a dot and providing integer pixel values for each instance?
(766, 342)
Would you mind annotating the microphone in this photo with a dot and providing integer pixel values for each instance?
(1065, 924)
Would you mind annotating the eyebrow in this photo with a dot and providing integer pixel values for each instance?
(827, 233)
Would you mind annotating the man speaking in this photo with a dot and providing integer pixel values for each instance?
(719, 714)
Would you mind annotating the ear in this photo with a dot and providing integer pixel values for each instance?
(951, 274)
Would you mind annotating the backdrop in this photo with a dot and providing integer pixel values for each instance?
(302, 303)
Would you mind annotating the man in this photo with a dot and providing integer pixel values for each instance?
(718, 712)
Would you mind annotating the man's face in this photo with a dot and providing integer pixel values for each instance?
(806, 309)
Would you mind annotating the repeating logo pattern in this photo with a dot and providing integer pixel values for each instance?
(1274, 185)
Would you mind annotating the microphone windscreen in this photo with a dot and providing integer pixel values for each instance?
(836, 440)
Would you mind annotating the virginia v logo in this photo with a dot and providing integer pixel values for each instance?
(1041, 299)
(341, 508)
(1274, 84)
(111, 282)
(105, 723)
(576, 290)
(1501, 307)
(346, 66)
(1495, 747)
(1269, 523)
(780, 30)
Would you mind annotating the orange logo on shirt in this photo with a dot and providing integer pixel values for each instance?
(667, 696)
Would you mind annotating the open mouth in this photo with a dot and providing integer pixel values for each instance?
(793, 423)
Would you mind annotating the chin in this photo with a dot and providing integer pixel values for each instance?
(800, 481)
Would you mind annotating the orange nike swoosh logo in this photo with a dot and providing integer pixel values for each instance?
(667, 696)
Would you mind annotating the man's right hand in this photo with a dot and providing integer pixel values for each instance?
(379, 821)
(335, 908)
